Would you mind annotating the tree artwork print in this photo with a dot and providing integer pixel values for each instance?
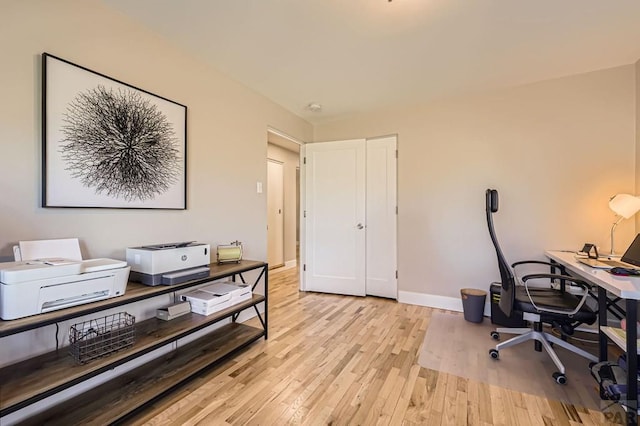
(119, 144)
(107, 144)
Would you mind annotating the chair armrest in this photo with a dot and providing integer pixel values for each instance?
(573, 280)
(563, 271)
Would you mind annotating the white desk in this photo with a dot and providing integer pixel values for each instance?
(627, 288)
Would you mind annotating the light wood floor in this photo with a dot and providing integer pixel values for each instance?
(334, 360)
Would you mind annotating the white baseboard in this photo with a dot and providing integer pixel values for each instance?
(287, 265)
(438, 302)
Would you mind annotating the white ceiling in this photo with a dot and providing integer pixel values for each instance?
(356, 56)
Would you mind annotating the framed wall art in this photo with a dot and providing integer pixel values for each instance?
(108, 144)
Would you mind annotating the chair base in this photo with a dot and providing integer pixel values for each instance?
(527, 334)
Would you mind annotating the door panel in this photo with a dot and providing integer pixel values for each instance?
(275, 213)
(335, 217)
(381, 218)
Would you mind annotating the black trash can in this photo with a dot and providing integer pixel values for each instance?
(473, 304)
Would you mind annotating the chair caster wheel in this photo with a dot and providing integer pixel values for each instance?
(495, 335)
(494, 353)
(560, 378)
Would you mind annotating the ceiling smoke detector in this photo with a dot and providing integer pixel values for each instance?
(314, 107)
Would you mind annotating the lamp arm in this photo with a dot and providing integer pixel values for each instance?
(613, 228)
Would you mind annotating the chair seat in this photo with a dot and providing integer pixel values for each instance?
(553, 299)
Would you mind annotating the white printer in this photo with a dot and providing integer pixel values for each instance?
(33, 285)
(169, 263)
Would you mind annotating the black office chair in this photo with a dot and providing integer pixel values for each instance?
(562, 310)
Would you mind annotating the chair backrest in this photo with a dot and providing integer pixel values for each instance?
(507, 293)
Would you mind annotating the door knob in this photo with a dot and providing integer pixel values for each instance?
(359, 226)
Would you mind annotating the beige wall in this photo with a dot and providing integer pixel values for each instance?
(227, 124)
(555, 150)
(290, 161)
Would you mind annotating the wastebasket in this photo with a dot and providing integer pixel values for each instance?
(473, 304)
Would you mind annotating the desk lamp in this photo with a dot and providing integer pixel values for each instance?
(625, 206)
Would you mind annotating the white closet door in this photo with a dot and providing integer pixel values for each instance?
(381, 218)
(335, 217)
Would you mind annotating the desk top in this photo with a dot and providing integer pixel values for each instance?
(627, 287)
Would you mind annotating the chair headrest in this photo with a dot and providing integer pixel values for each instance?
(492, 200)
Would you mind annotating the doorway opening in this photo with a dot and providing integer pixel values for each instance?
(283, 200)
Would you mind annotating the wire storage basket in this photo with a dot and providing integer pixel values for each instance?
(100, 337)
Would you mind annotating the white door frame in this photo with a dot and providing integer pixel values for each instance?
(303, 232)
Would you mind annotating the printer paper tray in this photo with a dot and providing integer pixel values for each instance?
(70, 294)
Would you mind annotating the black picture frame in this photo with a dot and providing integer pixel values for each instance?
(108, 144)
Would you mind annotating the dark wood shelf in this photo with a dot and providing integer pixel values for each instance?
(32, 380)
(119, 397)
(135, 292)
(22, 384)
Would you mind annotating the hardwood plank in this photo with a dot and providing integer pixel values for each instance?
(484, 403)
(405, 397)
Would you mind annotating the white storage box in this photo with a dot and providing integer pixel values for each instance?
(216, 297)
(237, 292)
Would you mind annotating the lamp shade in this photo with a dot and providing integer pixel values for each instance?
(624, 205)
